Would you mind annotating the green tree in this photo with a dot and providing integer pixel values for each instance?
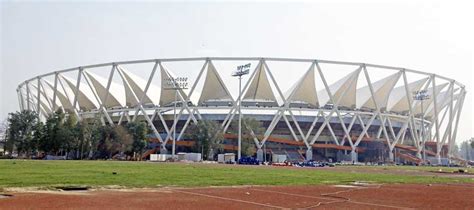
(105, 142)
(90, 137)
(138, 130)
(3, 133)
(38, 135)
(68, 135)
(20, 131)
(123, 139)
(87, 130)
(466, 151)
(208, 137)
(52, 141)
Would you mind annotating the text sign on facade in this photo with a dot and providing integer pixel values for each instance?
(175, 83)
(242, 70)
(421, 95)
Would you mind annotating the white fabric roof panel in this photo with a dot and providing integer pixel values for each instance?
(167, 96)
(116, 96)
(85, 95)
(398, 101)
(47, 93)
(259, 88)
(130, 99)
(304, 89)
(43, 107)
(61, 97)
(349, 83)
(381, 89)
(136, 89)
(427, 102)
(214, 88)
(443, 100)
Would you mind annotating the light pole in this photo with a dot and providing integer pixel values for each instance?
(176, 84)
(421, 96)
(174, 123)
(241, 70)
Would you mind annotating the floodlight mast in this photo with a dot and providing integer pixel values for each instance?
(176, 84)
(241, 70)
(422, 95)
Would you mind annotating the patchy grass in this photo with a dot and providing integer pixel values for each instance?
(31, 173)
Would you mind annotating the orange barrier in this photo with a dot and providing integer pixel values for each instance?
(413, 149)
(149, 152)
(271, 139)
(300, 143)
(409, 157)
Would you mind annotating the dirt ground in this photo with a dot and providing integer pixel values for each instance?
(355, 196)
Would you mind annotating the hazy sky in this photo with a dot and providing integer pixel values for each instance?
(431, 36)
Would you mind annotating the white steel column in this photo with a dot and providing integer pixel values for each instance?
(107, 92)
(335, 109)
(239, 101)
(55, 91)
(377, 110)
(38, 98)
(76, 93)
(435, 104)
(20, 98)
(97, 98)
(28, 95)
(185, 105)
(460, 101)
(145, 91)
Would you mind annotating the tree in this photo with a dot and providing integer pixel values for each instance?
(107, 147)
(3, 134)
(38, 135)
(52, 141)
(82, 136)
(20, 131)
(123, 139)
(68, 135)
(90, 137)
(249, 126)
(466, 150)
(208, 138)
(138, 130)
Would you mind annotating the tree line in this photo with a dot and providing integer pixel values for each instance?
(65, 135)
(466, 149)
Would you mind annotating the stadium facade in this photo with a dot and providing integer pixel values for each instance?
(308, 108)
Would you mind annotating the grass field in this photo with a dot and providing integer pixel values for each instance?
(30, 173)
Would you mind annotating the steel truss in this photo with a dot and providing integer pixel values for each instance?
(411, 121)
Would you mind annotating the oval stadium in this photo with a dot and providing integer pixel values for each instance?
(306, 109)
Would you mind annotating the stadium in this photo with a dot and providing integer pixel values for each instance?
(307, 108)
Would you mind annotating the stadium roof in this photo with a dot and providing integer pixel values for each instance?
(260, 89)
(92, 91)
(214, 88)
(304, 89)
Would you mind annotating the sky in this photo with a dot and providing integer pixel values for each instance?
(44, 36)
